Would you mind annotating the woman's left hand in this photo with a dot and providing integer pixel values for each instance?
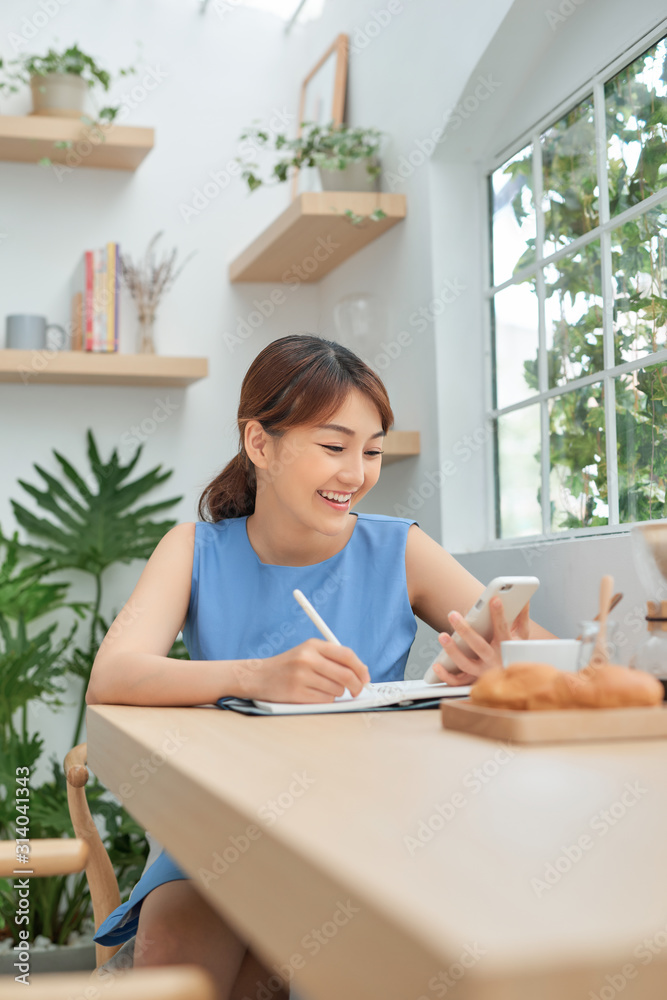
(487, 654)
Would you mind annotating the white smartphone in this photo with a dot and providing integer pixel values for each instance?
(513, 591)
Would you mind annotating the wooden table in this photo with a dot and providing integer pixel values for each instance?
(379, 856)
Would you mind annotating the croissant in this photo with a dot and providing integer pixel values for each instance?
(541, 687)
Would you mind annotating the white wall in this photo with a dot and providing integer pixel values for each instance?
(409, 66)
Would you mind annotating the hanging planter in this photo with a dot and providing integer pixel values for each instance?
(60, 94)
(60, 82)
(354, 177)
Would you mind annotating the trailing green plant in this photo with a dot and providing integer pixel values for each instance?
(92, 522)
(329, 147)
(19, 72)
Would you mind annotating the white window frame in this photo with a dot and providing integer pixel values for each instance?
(608, 374)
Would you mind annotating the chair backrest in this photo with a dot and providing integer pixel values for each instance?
(177, 982)
(43, 858)
(101, 877)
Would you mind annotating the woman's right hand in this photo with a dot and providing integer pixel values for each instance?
(314, 671)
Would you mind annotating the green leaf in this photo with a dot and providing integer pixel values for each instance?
(94, 527)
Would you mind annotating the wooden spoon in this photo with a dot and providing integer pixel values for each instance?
(614, 601)
(599, 654)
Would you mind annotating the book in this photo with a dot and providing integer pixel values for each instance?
(99, 300)
(95, 294)
(111, 297)
(82, 304)
(385, 696)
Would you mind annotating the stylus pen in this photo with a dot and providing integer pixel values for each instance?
(317, 620)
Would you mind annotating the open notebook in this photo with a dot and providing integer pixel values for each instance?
(389, 695)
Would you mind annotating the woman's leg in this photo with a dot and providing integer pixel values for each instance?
(177, 926)
(256, 982)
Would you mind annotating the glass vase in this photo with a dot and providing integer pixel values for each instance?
(147, 334)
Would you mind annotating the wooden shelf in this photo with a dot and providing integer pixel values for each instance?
(400, 444)
(29, 138)
(88, 368)
(313, 227)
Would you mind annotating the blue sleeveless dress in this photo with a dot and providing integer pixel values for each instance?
(242, 608)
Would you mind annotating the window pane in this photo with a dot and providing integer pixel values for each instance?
(569, 171)
(636, 113)
(515, 329)
(578, 479)
(639, 269)
(513, 211)
(641, 429)
(519, 472)
(573, 315)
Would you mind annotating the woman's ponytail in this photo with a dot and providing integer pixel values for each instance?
(232, 493)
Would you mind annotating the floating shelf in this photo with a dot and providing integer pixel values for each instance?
(29, 138)
(89, 368)
(315, 226)
(400, 444)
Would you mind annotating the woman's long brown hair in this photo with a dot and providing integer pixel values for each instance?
(296, 380)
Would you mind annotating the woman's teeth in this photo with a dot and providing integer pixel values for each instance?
(336, 497)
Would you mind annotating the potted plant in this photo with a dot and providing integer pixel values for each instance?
(347, 156)
(60, 81)
(92, 523)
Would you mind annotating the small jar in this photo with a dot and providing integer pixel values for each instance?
(588, 631)
(652, 654)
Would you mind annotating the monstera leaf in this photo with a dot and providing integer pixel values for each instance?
(91, 528)
(22, 594)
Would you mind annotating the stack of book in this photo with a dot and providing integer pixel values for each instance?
(95, 294)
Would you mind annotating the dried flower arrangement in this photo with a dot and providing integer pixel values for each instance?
(147, 281)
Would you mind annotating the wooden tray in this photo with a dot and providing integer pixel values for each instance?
(565, 726)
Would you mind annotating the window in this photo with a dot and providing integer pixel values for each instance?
(578, 306)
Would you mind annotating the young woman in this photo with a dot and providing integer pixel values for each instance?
(312, 419)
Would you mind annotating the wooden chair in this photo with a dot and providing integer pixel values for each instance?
(100, 875)
(65, 857)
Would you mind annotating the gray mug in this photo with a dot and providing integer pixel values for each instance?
(26, 332)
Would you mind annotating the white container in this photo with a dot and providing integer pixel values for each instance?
(60, 94)
(353, 178)
(561, 653)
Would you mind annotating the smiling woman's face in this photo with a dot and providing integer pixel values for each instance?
(343, 458)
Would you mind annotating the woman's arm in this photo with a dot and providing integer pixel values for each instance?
(439, 586)
(132, 666)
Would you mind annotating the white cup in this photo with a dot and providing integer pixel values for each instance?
(561, 653)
